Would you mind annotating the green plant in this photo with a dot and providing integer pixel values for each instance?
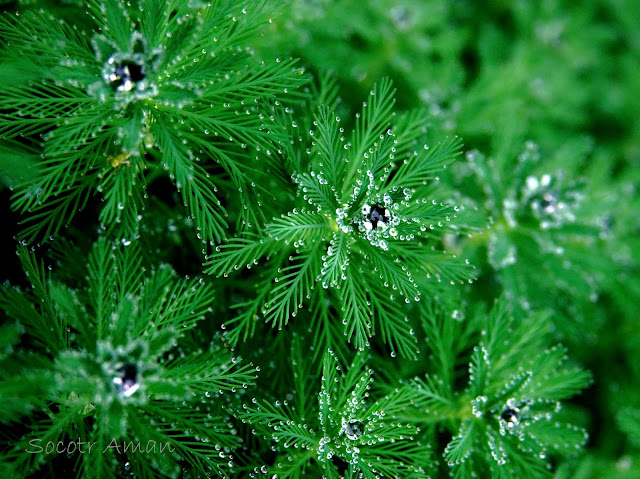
(157, 87)
(229, 265)
(364, 225)
(104, 366)
(345, 434)
(508, 421)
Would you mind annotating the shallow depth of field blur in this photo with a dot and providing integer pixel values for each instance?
(556, 79)
(561, 76)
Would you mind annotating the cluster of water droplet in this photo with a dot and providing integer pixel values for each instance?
(126, 75)
(548, 203)
(378, 217)
(514, 418)
(124, 365)
(511, 415)
(127, 379)
(352, 429)
(545, 197)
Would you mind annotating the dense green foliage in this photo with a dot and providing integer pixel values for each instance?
(320, 238)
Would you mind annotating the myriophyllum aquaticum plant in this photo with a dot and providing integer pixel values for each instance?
(153, 88)
(366, 224)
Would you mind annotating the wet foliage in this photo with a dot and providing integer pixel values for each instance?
(320, 238)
